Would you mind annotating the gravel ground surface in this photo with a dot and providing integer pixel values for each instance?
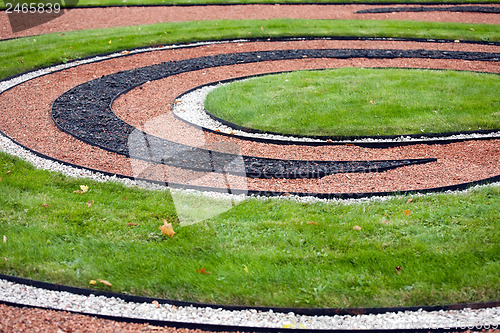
(469, 161)
(148, 107)
(96, 18)
(24, 319)
(474, 318)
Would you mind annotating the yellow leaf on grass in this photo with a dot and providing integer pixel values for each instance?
(104, 282)
(82, 190)
(166, 229)
(92, 282)
(407, 212)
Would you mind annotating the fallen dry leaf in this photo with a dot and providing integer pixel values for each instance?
(166, 229)
(104, 282)
(398, 269)
(89, 203)
(82, 190)
(92, 282)
(45, 205)
(409, 200)
(4, 239)
(357, 227)
(407, 212)
(156, 303)
(131, 224)
(203, 271)
(8, 172)
(312, 222)
(125, 52)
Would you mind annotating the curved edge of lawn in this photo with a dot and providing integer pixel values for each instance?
(264, 104)
(21, 55)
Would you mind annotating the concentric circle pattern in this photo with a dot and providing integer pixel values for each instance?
(114, 114)
(101, 106)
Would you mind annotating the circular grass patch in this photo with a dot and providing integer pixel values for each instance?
(361, 102)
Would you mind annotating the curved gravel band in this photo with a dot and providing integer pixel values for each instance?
(92, 120)
(321, 196)
(233, 328)
(85, 113)
(460, 9)
(298, 311)
(312, 194)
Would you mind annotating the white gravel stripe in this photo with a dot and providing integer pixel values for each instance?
(27, 295)
(190, 107)
(13, 149)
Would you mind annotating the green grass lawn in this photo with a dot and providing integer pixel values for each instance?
(357, 101)
(258, 253)
(23, 54)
